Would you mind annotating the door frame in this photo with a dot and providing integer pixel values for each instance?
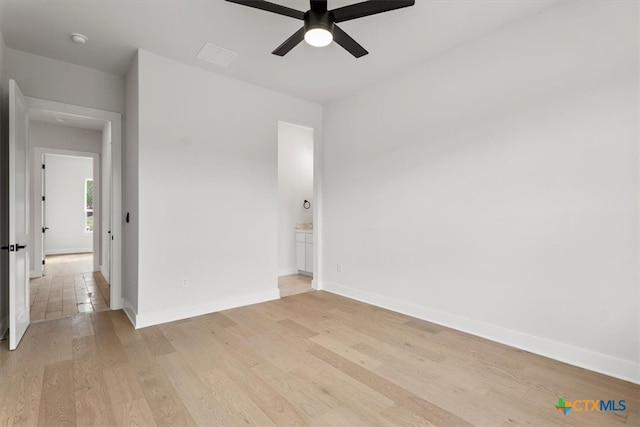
(38, 172)
(315, 201)
(114, 211)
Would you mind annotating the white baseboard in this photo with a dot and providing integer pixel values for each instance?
(287, 271)
(69, 251)
(587, 359)
(115, 305)
(142, 320)
(129, 311)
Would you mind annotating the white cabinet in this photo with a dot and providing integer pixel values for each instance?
(301, 259)
(304, 251)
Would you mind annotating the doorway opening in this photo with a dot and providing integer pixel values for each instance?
(107, 180)
(69, 280)
(295, 209)
(21, 233)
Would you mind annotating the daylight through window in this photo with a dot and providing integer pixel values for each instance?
(88, 205)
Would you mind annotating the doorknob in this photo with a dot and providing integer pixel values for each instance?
(44, 229)
(9, 248)
(18, 247)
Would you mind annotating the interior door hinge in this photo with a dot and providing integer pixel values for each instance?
(43, 198)
(42, 262)
(43, 166)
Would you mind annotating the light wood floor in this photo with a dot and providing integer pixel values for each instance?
(294, 284)
(69, 287)
(313, 358)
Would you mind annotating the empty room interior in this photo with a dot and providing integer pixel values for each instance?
(324, 212)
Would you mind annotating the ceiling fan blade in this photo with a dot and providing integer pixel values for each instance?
(366, 8)
(271, 7)
(319, 5)
(344, 40)
(290, 43)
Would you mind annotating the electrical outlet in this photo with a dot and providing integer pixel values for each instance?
(185, 283)
(339, 268)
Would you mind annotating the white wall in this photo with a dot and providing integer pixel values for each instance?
(47, 78)
(495, 189)
(4, 187)
(130, 179)
(46, 135)
(208, 189)
(295, 184)
(65, 196)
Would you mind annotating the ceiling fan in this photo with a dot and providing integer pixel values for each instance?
(320, 27)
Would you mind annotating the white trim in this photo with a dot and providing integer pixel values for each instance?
(296, 125)
(318, 221)
(69, 251)
(116, 184)
(316, 203)
(587, 359)
(143, 320)
(37, 157)
(130, 312)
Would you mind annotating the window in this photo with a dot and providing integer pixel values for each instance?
(88, 205)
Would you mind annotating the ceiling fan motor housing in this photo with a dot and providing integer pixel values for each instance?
(314, 19)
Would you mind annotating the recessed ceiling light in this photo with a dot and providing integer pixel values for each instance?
(79, 38)
(59, 119)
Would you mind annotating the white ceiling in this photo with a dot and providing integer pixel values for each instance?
(395, 40)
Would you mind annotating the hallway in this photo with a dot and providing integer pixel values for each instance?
(69, 287)
(294, 284)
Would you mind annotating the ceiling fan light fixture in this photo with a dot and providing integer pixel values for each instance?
(318, 37)
(319, 23)
(318, 28)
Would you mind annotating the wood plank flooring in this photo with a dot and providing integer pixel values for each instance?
(294, 284)
(309, 359)
(69, 287)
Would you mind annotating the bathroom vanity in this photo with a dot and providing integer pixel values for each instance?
(304, 251)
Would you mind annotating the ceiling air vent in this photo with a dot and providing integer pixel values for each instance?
(216, 55)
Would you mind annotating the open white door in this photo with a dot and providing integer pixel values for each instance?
(19, 302)
(43, 214)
